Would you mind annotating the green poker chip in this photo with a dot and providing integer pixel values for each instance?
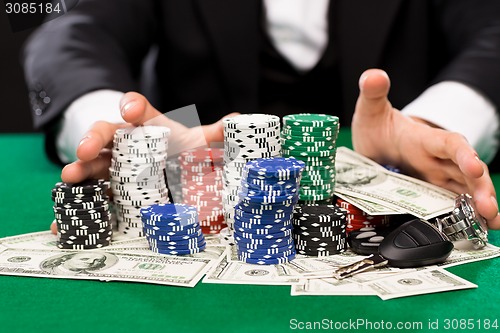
(318, 182)
(308, 145)
(321, 153)
(308, 138)
(315, 197)
(311, 119)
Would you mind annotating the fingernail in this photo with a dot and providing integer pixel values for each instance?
(362, 80)
(494, 200)
(127, 106)
(85, 138)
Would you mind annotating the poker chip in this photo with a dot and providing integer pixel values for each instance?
(319, 230)
(202, 185)
(82, 214)
(172, 229)
(268, 261)
(247, 137)
(262, 219)
(358, 219)
(137, 174)
(311, 138)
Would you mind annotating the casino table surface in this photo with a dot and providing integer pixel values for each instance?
(63, 305)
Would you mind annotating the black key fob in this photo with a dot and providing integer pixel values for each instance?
(415, 243)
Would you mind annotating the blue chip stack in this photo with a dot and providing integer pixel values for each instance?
(263, 217)
(172, 229)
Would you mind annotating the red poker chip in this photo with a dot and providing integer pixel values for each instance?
(201, 197)
(213, 225)
(202, 154)
(210, 216)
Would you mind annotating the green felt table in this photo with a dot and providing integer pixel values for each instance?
(63, 305)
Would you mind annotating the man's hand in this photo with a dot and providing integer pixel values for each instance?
(93, 152)
(443, 158)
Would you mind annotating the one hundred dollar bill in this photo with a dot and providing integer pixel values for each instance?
(104, 266)
(418, 282)
(396, 191)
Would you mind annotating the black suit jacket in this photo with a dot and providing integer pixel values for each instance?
(208, 51)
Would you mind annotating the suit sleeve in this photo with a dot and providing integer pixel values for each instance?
(472, 32)
(96, 45)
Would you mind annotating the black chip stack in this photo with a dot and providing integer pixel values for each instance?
(319, 230)
(82, 215)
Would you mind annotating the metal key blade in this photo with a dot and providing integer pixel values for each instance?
(373, 261)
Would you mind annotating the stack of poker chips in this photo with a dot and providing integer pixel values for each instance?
(137, 174)
(319, 230)
(82, 215)
(201, 179)
(262, 222)
(173, 229)
(312, 139)
(358, 219)
(246, 137)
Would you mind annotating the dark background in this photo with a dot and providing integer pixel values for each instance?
(15, 113)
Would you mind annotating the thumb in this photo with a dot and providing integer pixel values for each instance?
(136, 110)
(374, 87)
(215, 132)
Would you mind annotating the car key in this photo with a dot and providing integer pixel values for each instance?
(413, 244)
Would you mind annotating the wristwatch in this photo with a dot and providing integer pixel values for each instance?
(464, 224)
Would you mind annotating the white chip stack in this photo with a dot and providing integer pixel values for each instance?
(137, 175)
(246, 137)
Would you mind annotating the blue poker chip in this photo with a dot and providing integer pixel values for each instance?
(170, 228)
(181, 213)
(266, 245)
(240, 241)
(276, 235)
(265, 198)
(182, 242)
(246, 255)
(282, 186)
(276, 167)
(177, 252)
(174, 237)
(272, 229)
(264, 250)
(265, 209)
(170, 233)
(175, 221)
(261, 222)
(241, 223)
(266, 217)
(164, 246)
(261, 181)
(274, 261)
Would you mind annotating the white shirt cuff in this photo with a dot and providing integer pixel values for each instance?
(81, 115)
(459, 108)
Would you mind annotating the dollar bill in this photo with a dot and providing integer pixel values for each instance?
(34, 240)
(104, 266)
(214, 249)
(460, 257)
(417, 283)
(369, 207)
(237, 272)
(395, 191)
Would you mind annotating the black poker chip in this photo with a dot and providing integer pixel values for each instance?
(82, 215)
(90, 186)
(79, 212)
(83, 205)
